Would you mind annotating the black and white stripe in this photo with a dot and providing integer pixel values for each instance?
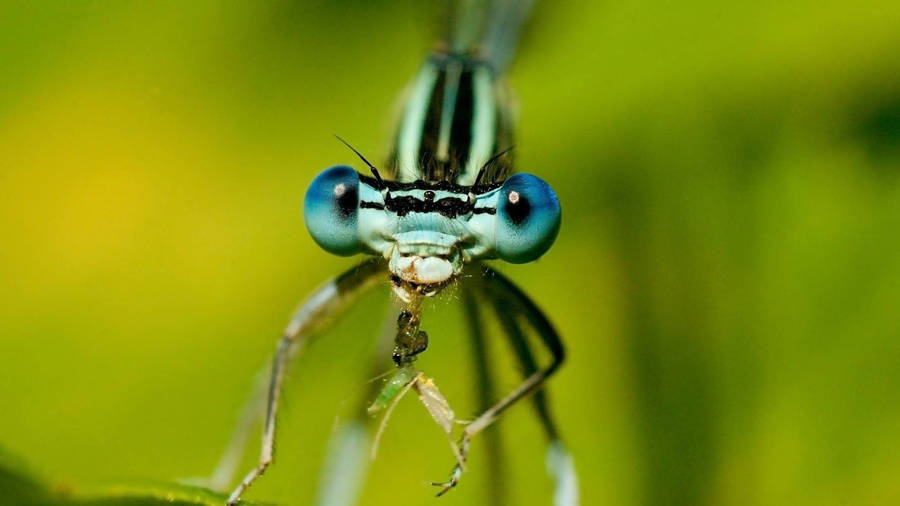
(454, 122)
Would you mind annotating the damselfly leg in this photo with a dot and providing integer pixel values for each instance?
(560, 465)
(251, 413)
(485, 392)
(311, 316)
(494, 286)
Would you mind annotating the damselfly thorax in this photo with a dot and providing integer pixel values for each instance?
(457, 119)
(444, 199)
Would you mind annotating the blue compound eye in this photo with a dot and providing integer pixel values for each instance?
(330, 210)
(528, 217)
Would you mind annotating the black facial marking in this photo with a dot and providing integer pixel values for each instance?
(450, 207)
(428, 185)
(365, 204)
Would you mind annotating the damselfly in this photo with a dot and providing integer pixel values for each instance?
(446, 199)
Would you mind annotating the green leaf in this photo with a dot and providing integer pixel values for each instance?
(149, 494)
(19, 486)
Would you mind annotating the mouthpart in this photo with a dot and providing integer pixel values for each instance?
(415, 275)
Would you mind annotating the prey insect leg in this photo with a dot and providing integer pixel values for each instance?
(408, 378)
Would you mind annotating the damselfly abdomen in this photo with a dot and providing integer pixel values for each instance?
(446, 199)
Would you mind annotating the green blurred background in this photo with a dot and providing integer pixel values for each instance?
(727, 277)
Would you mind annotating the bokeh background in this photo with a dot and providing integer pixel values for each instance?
(727, 277)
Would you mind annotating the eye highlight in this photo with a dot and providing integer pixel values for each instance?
(528, 218)
(330, 210)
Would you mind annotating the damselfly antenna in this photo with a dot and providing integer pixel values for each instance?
(361, 157)
(480, 175)
(488, 163)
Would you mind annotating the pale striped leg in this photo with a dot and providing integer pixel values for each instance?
(311, 316)
(250, 415)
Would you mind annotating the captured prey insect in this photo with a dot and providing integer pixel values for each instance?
(446, 199)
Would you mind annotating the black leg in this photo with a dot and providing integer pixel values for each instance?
(527, 363)
(496, 287)
(486, 393)
(509, 312)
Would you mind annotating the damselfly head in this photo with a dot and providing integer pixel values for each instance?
(428, 231)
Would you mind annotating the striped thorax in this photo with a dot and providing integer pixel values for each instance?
(455, 121)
